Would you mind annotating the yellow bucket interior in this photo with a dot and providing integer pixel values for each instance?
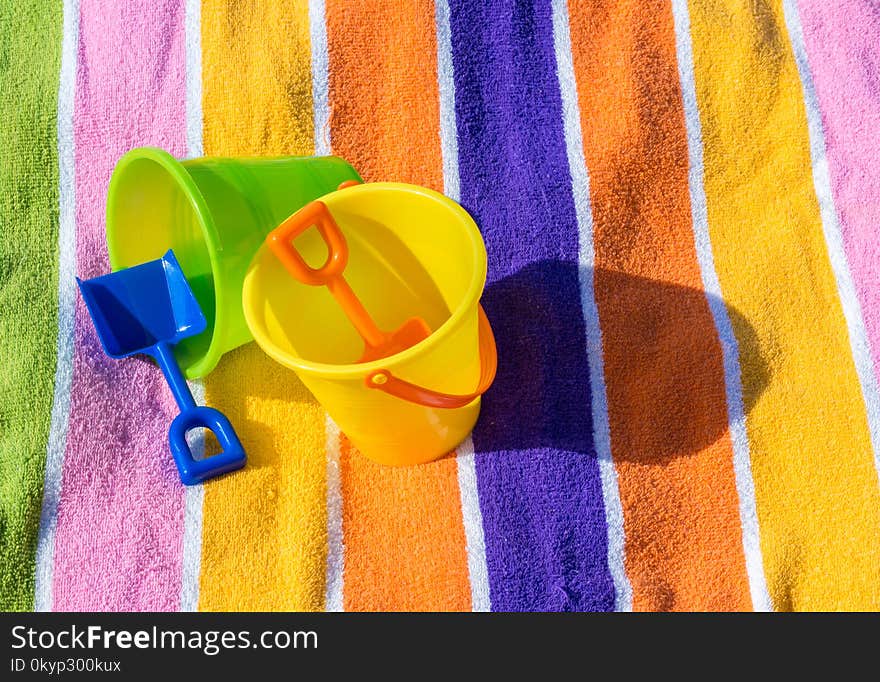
(412, 253)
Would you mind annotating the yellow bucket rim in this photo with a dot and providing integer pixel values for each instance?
(358, 370)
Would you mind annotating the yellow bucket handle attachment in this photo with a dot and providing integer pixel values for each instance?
(384, 380)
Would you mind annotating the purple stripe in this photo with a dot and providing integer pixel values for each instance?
(539, 485)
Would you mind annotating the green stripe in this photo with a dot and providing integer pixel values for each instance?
(30, 54)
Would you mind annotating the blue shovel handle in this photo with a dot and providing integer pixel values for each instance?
(192, 416)
(192, 470)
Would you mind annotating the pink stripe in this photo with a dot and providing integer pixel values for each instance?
(120, 519)
(843, 47)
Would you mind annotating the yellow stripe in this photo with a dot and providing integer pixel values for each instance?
(264, 529)
(256, 73)
(817, 495)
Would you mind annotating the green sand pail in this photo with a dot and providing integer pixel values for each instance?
(214, 213)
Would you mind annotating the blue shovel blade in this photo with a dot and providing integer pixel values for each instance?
(136, 308)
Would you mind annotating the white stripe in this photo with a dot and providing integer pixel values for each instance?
(66, 311)
(580, 182)
(334, 581)
(472, 515)
(193, 503)
(335, 538)
(852, 311)
(193, 36)
(729, 347)
(320, 77)
(446, 86)
(194, 495)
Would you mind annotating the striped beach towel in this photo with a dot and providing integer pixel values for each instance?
(680, 201)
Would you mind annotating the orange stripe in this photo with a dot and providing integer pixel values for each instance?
(663, 362)
(403, 532)
(404, 539)
(385, 106)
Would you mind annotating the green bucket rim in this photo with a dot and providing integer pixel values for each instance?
(199, 205)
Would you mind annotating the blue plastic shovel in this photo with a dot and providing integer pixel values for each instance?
(147, 309)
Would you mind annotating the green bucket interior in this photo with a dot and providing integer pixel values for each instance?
(214, 213)
(154, 205)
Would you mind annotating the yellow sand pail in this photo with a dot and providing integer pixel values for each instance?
(411, 252)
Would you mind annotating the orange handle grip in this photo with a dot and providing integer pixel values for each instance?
(383, 380)
(316, 215)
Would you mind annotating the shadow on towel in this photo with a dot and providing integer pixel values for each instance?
(664, 356)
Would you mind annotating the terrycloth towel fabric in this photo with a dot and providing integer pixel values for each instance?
(680, 202)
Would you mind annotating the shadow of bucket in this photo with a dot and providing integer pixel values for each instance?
(411, 252)
(214, 213)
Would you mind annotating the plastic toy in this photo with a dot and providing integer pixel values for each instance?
(377, 344)
(214, 213)
(148, 309)
(417, 262)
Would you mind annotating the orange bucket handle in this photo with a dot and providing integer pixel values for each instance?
(384, 380)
